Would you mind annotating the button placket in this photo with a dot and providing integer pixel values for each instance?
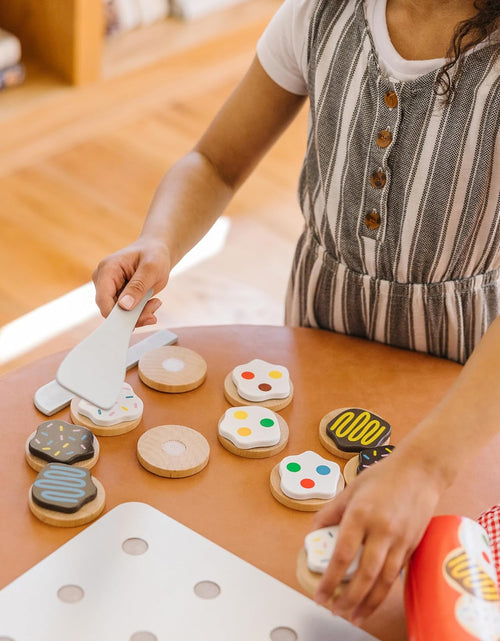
(373, 218)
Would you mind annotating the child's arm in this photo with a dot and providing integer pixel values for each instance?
(195, 191)
(389, 506)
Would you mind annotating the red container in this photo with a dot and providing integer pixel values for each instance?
(451, 589)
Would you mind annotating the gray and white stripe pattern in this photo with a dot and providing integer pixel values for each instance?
(428, 276)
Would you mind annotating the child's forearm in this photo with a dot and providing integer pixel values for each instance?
(466, 419)
(187, 202)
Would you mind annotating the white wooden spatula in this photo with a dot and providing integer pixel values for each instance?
(95, 369)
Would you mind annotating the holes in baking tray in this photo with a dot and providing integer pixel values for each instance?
(207, 590)
(174, 448)
(70, 593)
(283, 634)
(143, 635)
(135, 546)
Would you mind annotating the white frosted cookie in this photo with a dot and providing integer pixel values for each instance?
(306, 481)
(261, 382)
(252, 431)
(123, 417)
(314, 558)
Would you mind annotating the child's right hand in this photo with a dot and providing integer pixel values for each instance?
(128, 274)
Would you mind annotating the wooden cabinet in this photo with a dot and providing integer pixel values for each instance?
(65, 36)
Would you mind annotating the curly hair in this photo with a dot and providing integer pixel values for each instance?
(468, 34)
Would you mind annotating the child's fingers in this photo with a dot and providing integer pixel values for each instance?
(108, 279)
(147, 316)
(394, 563)
(348, 544)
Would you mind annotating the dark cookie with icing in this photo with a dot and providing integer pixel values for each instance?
(370, 455)
(63, 488)
(62, 442)
(354, 429)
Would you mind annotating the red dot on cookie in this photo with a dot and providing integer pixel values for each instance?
(264, 387)
(307, 483)
(248, 375)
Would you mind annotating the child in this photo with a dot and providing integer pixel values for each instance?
(400, 195)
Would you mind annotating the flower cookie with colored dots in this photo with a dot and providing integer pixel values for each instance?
(61, 442)
(66, 495)
(124, 416)
(345, 432)
(367, 457)
(259, 382)
(252, 431)
(315, 557)
(306, 481)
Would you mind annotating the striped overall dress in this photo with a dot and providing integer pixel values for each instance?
(400, 195)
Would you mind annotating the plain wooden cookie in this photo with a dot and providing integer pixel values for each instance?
(357, 427)
(172, 369)
(258, 452)
(232, 396)
(87, 513)
(303, 505)
(101, 430)
(173, 451)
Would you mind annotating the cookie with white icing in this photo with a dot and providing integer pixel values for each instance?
(66, 495)
(306, 481)
(124, 416)
(345, 432)
(261, 382)
(252, 431)
(367, 457)
(315, 556)
(57, 441)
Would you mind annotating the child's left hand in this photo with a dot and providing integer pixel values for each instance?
(386, 510)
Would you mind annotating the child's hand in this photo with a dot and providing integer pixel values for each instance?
(386, 509)
(128, 274)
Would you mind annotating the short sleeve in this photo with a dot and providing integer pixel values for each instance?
(282, 48)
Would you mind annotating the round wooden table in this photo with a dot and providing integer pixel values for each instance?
(229, 501)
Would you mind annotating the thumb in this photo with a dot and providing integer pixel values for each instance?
(134, 291)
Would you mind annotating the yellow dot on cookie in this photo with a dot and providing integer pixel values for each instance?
(244, 431)
(275, 374)
(240, 414)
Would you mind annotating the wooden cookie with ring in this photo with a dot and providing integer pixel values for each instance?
(57, 441)
(172, 369)
(346, 431)
(259, 382)
(173, 451)
(66, 496)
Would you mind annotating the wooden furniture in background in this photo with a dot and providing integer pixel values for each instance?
(65, 35)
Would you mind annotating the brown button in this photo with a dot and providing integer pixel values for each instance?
(384, 138)
(372, 219)
(378, 179)
(391, 99)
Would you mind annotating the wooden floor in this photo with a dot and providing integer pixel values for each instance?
(78, 167)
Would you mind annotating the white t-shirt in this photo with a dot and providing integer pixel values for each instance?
(282, 48)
